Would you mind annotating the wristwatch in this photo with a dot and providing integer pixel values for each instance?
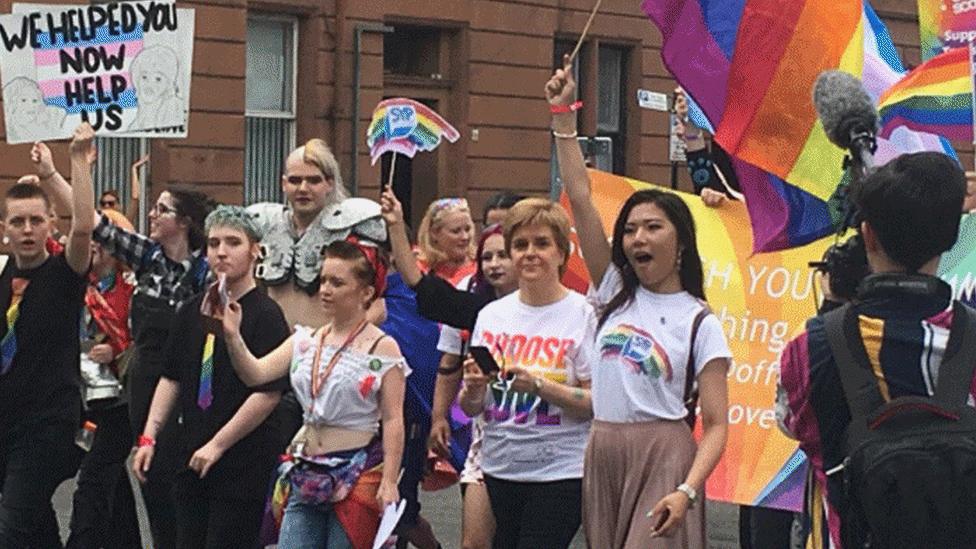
(687, 490)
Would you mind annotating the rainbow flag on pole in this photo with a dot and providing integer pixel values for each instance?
(936, 97)
(751, 66)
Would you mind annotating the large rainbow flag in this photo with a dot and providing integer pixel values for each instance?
(936, 97)
(751, 66)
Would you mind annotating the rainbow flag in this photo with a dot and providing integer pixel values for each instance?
(936, 97)
(751, 66)
(945, 24)
(406, 126)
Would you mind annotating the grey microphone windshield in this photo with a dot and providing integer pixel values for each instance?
(844, 107)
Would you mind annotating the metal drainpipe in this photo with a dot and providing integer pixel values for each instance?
(356, 81)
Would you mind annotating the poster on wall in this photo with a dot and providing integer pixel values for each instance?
(123, 68)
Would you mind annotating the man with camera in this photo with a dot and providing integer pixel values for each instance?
(868, 376)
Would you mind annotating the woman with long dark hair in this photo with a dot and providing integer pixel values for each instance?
(655, 340)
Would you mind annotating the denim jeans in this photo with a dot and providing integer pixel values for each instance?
(311, 526)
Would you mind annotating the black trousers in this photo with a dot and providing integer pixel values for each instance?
(104, 512)
(36, 456)
(535, 515)
(157, 491)
(207, 520)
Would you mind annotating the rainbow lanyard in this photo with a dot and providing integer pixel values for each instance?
(205, 394)
(8, 345)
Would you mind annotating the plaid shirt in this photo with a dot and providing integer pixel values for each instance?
(158, 276)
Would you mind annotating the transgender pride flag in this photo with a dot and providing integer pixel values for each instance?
(102, 58)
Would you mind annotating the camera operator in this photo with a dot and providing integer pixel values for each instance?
(909, 215)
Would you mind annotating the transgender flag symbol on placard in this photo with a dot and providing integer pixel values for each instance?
(88, 75)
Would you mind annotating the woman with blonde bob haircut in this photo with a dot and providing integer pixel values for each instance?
(537, 407)
(446, 239)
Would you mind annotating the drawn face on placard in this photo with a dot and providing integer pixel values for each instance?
(26, 104)
(154, 72)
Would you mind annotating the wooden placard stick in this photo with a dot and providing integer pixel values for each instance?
(586, 29)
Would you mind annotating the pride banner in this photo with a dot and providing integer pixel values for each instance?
(945, 24)
(762, 301)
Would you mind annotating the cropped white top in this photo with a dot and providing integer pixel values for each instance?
(350, 397)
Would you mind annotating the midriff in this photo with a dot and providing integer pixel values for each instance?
(298, 306)
(325, 439)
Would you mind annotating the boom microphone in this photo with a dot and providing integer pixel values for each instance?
(849, 116)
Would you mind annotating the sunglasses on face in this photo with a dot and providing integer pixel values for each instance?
(310, 179)
(107, 203)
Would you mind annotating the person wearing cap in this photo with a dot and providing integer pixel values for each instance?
(103, 509)
(229, 434)
(349, 378)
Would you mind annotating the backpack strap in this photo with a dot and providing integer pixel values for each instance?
(956, 373)
(853, 366)
(690, 393)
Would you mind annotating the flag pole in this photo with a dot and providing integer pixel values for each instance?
(586, 29)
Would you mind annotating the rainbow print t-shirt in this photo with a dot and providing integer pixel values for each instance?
(528, 439)
(640, 354)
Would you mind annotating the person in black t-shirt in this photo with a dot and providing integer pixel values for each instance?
(40, 401)
(229, 432)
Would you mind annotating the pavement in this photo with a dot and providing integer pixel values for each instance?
(443, 510)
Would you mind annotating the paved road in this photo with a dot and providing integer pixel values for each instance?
(442, 509)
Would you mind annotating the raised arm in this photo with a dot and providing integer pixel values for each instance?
(406, 263)
(78, 249)
(253, 371)
(51, 180)
(561, 92)
(135, 191)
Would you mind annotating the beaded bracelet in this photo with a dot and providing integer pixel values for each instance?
(144, 441)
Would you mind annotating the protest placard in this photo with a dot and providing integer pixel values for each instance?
(945, 24)
(124, 68)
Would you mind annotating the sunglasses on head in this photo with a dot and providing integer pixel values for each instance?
(448, 203)
(310, 179)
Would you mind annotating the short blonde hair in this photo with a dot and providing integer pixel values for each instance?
(429, 253)
(539, 212)
(317, 153)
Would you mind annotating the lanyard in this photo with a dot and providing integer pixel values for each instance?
(317, 382)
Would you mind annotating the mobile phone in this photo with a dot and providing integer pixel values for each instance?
(486, 362)
(664, 518)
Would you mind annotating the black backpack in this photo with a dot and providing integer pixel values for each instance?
(909, 478)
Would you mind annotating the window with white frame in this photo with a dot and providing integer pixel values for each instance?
(270, 104)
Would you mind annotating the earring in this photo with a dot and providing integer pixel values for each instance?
(6, 240)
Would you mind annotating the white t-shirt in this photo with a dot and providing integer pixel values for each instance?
(526, 438)
(640, 355)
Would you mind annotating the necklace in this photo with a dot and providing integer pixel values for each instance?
(317, 380)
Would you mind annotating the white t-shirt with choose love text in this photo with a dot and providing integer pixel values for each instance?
(640, 355)
(526, 438)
